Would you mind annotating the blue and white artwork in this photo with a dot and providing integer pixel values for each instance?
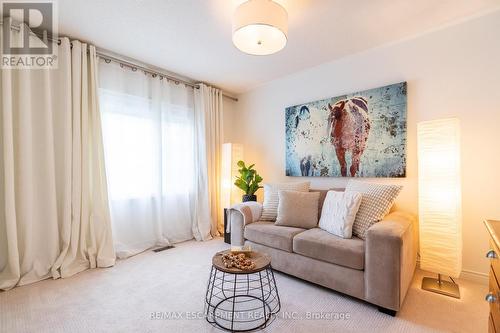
(356, 135)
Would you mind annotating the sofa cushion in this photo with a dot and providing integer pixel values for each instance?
(376, 203)
(320, 244)
(298, 209)
(339, 212)
(271, 198)
(269, 234)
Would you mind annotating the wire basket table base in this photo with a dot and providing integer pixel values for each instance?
(241, 302)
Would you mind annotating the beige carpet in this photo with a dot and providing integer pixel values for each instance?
(122, 298)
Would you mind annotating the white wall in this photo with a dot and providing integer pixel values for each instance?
(453, 72)
(229, 119)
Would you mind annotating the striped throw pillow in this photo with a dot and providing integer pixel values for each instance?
(271, 199)
(376, 202)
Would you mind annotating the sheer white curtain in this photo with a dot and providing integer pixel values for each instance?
(54, 217)
(151, 160)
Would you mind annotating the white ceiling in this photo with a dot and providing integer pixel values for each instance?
(193, 37)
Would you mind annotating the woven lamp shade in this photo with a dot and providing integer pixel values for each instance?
(440, 203)
(231, 154)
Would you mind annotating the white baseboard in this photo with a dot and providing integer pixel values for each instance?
(469, 275)
(474, 276)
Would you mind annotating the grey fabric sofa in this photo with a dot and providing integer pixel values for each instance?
(378, 270)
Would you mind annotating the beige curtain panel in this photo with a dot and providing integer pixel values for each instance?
(208, 114)
(54, 216)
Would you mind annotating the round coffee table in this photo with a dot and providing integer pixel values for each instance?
(242, 300)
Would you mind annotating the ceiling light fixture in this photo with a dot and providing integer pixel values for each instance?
(260, 27)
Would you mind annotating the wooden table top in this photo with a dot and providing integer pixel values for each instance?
(494, 230)
(261, 261)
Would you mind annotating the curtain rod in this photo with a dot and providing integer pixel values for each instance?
(137, 65)
(133, 64)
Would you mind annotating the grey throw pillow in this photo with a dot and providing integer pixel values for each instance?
(376, 202)
(298, 209)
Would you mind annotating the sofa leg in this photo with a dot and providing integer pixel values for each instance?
(389, 312)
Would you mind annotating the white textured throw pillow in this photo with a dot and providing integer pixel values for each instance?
(271, 199)
(339, 211)
(376, 203)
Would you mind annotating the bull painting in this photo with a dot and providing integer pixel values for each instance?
(357, 135)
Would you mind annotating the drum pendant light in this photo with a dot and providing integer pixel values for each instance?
(260, 27)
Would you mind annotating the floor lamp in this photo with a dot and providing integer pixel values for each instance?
(231, 154)
(440, 220)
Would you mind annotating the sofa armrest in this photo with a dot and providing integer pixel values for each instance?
(241, 215)
(390, 260)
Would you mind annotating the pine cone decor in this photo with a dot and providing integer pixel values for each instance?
(239, 261)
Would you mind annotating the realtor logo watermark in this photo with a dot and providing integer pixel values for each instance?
(28, 33)
(246, 316)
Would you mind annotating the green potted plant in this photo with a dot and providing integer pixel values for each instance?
(248, 181)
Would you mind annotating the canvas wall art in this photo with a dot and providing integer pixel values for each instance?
(356, 135)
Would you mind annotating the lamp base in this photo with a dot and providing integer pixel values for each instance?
(441, 287)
